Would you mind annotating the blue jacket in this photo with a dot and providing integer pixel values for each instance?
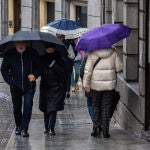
(16, 67)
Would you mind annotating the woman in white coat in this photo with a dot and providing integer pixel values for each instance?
(102, 81)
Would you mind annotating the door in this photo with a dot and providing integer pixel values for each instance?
(50, 11)
(17, 15)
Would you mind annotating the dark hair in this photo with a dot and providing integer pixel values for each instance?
(49, 45)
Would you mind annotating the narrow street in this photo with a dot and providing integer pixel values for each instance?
(35, 23)
(73, 128)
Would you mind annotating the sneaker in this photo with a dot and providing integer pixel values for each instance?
(18, 131)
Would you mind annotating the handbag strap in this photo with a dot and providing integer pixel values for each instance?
(96, 62)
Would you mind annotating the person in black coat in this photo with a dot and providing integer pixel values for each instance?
(52, 87)
(20, 69)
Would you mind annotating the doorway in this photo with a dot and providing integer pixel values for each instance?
(17, 15)
(50, 11)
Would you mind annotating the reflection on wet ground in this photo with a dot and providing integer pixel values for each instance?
(73, 128)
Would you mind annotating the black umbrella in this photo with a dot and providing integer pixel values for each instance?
(34, 39)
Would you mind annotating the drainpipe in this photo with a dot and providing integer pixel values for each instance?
(147, 71)
(103, 11)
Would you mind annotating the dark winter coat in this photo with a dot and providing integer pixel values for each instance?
(53, 83)
(16, 67)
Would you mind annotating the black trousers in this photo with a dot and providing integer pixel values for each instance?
(21, 99)
(50, 120)
(101, 107)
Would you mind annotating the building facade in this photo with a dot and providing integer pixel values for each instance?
(133, 110)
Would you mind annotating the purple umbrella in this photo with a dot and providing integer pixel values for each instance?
(102, 37)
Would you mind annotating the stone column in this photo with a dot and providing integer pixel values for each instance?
(142, 41)
(26, 15)
(58, 9)
(72, 11)
(35, 14)
(117, 11)
(62, 9)
(66, 9)
(108, 11)
(130, 45)
(0, 19)
(3, 18)
(94, 13)
(117, 17)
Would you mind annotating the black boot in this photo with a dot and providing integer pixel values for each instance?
(52, 131)
(24, 133)
(46, 131)
(106, 134)
(99, 130)
(18, 131)
(94, 133)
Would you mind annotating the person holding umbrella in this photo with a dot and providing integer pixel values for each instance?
(52, 86)
(66, 30)
(102, 82)
(100, 76)
(20, 69)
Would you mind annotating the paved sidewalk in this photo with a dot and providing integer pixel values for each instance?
(6, 116)
(73, 128)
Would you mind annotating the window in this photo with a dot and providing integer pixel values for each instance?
(81, 15)
(50, 11)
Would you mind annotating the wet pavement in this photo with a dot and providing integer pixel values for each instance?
(6, 117)
(73, 128)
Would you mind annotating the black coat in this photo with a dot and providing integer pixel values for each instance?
(16, 67)
(53, 83)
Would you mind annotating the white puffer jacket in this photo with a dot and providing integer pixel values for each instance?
(103, 77)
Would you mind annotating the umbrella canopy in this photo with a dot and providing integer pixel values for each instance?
(34, 39)
(102, 37)
(71, 29)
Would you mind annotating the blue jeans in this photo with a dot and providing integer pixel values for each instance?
(89, 106)
(22, 119)
(75, 73)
